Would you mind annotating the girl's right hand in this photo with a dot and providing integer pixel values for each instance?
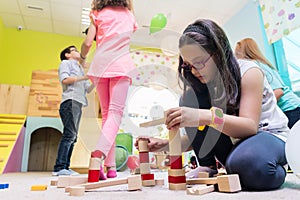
(154, 145)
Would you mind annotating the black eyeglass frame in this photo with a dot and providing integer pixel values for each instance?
(188, 66)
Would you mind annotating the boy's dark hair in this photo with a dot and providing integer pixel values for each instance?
(66, 50)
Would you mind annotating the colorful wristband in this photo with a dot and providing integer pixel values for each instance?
(217, 117)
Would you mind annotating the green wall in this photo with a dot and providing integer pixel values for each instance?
(21, 52)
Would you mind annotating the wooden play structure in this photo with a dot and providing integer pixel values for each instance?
(11, 142)
(13, 108)
(39, 106)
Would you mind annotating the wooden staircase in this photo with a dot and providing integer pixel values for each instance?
(10, 128)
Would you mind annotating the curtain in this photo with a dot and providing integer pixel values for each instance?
(280, 17)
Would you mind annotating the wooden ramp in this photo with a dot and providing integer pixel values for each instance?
(11, 142)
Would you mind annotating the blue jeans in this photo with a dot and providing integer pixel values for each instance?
(70, 113)
(259, 161)
(293, 115)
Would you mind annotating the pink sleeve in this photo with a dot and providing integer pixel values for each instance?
(135, 26)
(93, 17)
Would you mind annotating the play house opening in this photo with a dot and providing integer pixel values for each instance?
(43, 149)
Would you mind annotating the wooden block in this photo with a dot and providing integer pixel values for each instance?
(53, 182)
(175, 162)
(200, 189)
(229, 183)
(176, 179)
(177, 186)
(38, 187)
(143, 145)
(145, 168)
(147, 183)
(209, 181)
(95, 163)
(153, 122)
(65, 181)
(160, 181)
(203, 175)
(4, 186)
(175, 143)
(145, 177)
(144, 157)
(134, 183)
(176, 172)
(77, 191)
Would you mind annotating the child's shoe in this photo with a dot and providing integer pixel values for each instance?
(111, 173)
(102, 175)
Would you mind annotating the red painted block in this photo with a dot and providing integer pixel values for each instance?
(93, 175)
(176, 162)
(176, 179)
(144, 157)
(147, 177)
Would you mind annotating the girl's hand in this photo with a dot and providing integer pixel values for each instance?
(182, 117)
(155, 144)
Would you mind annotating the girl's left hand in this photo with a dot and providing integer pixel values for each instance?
(182, 117)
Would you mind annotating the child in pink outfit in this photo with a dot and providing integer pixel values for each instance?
(112, 25)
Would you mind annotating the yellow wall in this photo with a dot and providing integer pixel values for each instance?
(1, 36)
(21, 52)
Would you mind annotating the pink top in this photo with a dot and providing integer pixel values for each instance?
(115, 26)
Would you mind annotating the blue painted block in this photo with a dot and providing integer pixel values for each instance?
(4, 186)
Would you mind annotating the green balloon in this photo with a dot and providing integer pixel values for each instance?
(158, 22)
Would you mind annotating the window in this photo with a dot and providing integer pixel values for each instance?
(291, 46)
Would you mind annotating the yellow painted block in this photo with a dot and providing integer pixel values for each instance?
(38, 187)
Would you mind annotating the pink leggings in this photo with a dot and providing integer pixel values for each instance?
(112, 94)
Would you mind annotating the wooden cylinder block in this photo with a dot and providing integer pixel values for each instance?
(95, 163)
(143, 145)
(144, 157)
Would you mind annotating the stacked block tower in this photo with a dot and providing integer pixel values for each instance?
(147, 177)
(176, 173)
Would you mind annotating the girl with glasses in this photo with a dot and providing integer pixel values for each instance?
(228, 111)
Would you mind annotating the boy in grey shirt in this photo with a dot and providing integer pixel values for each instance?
(75, 85)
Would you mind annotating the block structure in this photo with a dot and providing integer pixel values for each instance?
(94, 168)
(176, 173)
(133, 182)
(146, 176)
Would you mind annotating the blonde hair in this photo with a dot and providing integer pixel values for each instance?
(100, 4)
(248, 48)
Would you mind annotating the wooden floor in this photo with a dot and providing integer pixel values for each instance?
(20, 188)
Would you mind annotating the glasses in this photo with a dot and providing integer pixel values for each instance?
(197, 65)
